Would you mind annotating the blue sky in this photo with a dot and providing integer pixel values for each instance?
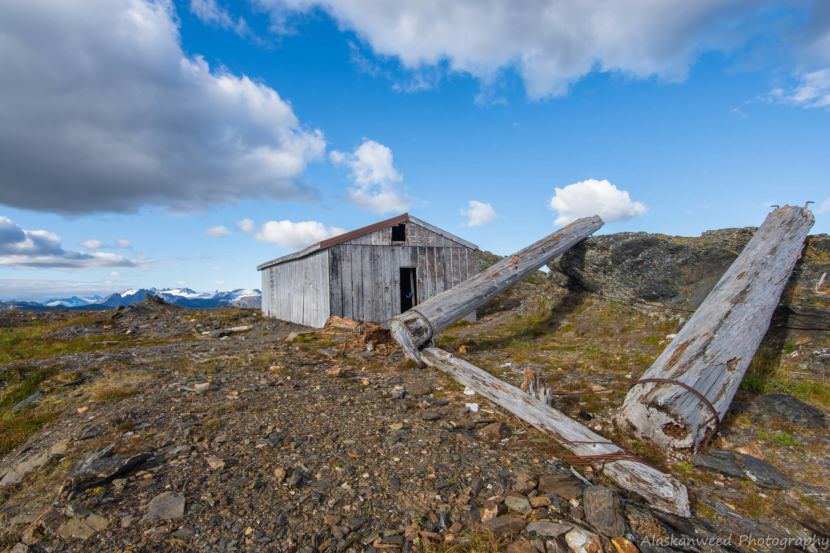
(155, 122)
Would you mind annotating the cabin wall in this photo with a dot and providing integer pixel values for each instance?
(298, 291)
(365, 279)
(416, 235)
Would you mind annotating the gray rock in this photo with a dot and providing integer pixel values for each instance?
(505, 525)
(763, 473)
(518, 504)
(419, 388)
(100, 466)
(28, 401)
(724, 462)
(787, 409)
(563, 485)
(184, 534)
(297, 478)
(739, 465)
(547, 528)
(494, 431)
(31, 462)
(580, 540)
(680, 271)
(165, 506)
(82, 528)
(603, 511)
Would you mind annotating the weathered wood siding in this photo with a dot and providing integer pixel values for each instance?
(365, 272)
(298, 291)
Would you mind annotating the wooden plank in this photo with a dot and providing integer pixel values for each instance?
(367, 284)
(440, 272)
(335, 278)
(357, 281)
(399, 256)
(388, 259)
(415, 328)
(712, 351)
(346, 281)
(660, 490)
(422, 272)
(375, 282)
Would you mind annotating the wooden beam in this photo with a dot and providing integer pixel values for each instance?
(685, 394)
(660, 490)
(415, 328)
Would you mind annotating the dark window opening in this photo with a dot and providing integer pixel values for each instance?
(399, 233)
(409, 288)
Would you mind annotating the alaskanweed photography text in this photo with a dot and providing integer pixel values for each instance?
(743, 540)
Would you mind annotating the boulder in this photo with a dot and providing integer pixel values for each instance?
(740, 465)
(561, 484)
(679, 271)
(548, 528)
(603, 511)
(165, 506)
(580, 540)
(101, 466)
(518, 504)
(505, 525)
(787, 409)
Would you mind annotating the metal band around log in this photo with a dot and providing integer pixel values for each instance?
(703, 399)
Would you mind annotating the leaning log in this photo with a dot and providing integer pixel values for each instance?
(660, 490)
(681, 399)
(415, 328)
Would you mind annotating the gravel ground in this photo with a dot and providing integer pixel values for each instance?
(217, 430)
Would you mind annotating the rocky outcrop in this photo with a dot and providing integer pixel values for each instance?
(679, 271)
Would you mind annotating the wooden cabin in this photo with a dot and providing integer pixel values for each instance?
(369, 274)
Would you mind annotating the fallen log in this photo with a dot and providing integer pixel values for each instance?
(660, 490)
(416, 327)
(681, 399)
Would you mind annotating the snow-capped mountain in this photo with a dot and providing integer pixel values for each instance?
(74, 301)
(184, 297)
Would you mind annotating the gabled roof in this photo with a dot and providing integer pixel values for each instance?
(357, 233)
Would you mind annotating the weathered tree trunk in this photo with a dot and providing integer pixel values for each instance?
(680, 400)
(416, 327)
(662, 491)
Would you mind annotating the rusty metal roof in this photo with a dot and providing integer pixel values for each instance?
(362, 231)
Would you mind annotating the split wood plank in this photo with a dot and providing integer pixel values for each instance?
(662, 491)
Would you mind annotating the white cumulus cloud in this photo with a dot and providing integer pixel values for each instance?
(98, 244)
(43, 249)
(211, 12)
(594, 197)
(824, 207)
(102, 110)
(218, 230)
(478, 213)
(811, 90)
(246, 225)
(295, 234)
(550, 43)
(376, 181)
(92, 244)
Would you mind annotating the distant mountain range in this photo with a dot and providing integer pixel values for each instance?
(184, 297)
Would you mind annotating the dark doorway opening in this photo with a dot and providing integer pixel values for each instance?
(399, 233)
(409, 288)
